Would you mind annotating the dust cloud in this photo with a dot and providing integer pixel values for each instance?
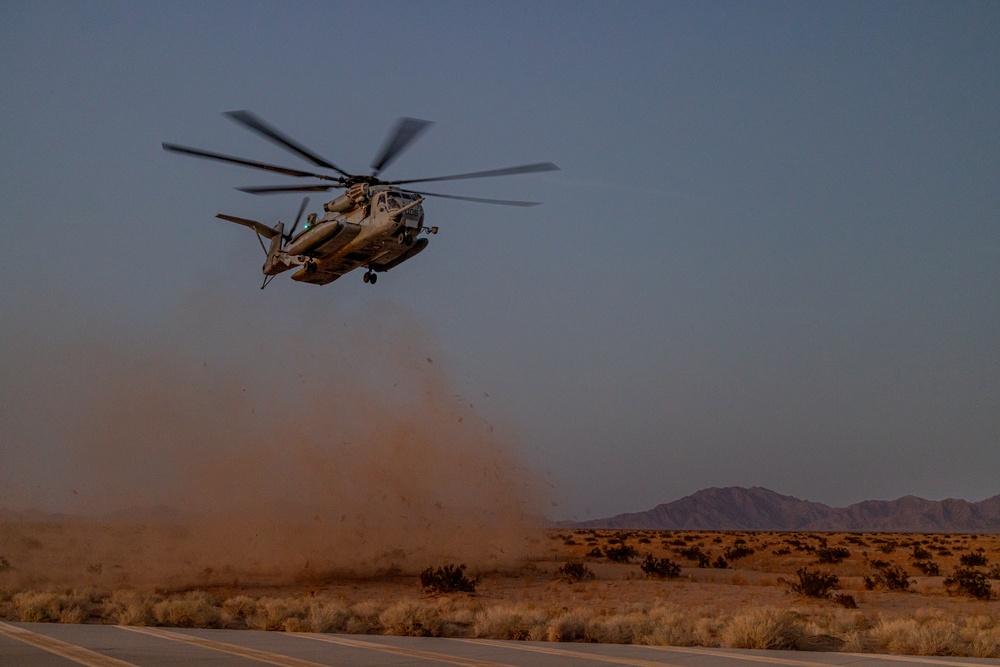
(214, 449)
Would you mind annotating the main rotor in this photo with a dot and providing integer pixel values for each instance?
(403, 134)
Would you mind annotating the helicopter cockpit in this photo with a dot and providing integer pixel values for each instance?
(389, 201)
(393, 201)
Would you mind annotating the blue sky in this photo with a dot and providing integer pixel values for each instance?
(772, 256)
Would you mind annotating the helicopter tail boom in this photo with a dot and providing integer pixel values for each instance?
(259, 227)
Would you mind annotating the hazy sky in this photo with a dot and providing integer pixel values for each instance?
(772, 256)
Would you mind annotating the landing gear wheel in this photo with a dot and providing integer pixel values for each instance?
(373, 278)
(367, 276)
(370, 276)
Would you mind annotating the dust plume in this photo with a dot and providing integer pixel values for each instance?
(217, 449)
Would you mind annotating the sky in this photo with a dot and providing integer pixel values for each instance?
(771, 256)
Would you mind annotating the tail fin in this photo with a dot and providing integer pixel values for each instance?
(270, 264)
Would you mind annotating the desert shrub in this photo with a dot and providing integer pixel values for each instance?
(910, 636)
(595, 553)
(4, 564)
(662, 568)
(327, 616)
(887, 546)
(510, 622)
(671, 627)
(695, 554)
(720, 563)
(34, 607)
(618, 628)
(287, 614)
(679, 542)
(919, 553)
(240, 606)
(783, 551)
(574, 572)
(845, 600)
(195, 609)
(928, 567)
(620, 554)
(888, 576)
(447, 579)
(363, 617)
(973, 559)
(973, 583)
(737, 551)
(47, 607)
(761, 628)
(408, 618)
(644, 540)
(799, 545)
(832, 555)
(568, 627)
(994, 572)
(130, 608)
(813, 583)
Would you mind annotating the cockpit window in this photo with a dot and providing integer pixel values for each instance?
(397, 200)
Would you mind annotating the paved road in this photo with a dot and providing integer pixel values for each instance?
(58, 645)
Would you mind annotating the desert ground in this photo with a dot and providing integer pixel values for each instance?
(855, 592)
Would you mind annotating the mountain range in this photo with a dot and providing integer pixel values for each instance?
(756, 508)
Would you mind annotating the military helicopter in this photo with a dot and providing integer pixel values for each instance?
(374, 224)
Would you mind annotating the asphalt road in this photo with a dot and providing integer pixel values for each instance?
(58, 645)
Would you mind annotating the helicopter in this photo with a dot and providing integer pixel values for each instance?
(375, 224)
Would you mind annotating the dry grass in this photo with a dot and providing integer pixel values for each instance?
(743, 605)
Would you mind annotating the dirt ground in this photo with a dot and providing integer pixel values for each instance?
(896, 593)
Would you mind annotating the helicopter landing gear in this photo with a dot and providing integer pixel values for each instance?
(370, 277)
(403, 238)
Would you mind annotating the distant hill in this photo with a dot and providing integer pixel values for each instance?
(738, 508)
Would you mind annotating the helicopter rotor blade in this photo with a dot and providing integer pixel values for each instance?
(252, 122)
(478, 200)
(185, 150)
(278, 189)
(508, 171)
(302, 209)
(404, 133)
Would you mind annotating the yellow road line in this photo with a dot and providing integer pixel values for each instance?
(742, 656)
(232, 649)
(929, 660)
(571, 654)
(78, 654)
(411, 653)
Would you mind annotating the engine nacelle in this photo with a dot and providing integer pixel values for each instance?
(341, 204)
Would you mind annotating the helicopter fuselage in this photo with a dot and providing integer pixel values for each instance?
(376, 229)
